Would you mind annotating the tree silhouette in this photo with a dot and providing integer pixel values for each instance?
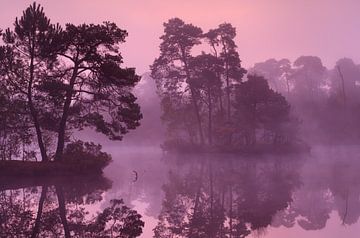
(194, 85)
(277, 73)
(94, 89)
(172, 70)
(259, 107)
(205, 69)
(223, 37)
(70, 78)
(24, 59)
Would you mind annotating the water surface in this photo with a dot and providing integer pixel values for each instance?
(313, 195)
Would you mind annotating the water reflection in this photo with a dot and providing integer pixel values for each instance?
(314, 195)
(208, 197)
(239, 197)
(63, 207)
(330, 183)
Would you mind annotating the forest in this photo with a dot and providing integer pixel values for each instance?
(57, 81)
(154, 119)
(208, 99)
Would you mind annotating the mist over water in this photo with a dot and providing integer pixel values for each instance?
(314, 195)
(220, 128)
(294, 195)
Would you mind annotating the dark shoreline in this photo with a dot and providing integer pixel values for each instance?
(51, 168)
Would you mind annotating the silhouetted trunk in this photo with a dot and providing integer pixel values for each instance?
(197, 200)
(36, 228)
(346, 207)
(4, 140)
(342, 85)
(62, 210)
(228, 92)
(221, 105)
(210, 117)
(198, 118)
(227, 80)
(33, 111)
(191, 137)
(193, 98)
(212, 227)
(231, 213)
(223, 209)
(288, 86)
(65, 115)
(38, 132)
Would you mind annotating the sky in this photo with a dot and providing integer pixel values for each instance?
(266, 29)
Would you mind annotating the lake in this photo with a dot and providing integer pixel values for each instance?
(208, 195)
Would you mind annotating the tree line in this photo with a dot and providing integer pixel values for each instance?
(57, 79)
(205, 99)
(327, 99)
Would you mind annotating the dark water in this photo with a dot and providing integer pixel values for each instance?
(316, 195)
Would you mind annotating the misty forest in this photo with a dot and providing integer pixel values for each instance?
(203, 143)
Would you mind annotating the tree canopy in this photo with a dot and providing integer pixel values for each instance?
(206, 99)
(67, 79)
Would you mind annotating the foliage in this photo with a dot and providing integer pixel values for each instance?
(192, 87)
(67, 79)
(326, 99)
(260, 108)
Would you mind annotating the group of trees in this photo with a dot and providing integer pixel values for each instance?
(54, 80)
(328, 100)
(203, 97)
(307, 80)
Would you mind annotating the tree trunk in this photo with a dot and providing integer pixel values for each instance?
(212, 225)
(227, 80)
(342, 85)
(62, 210)
(288, 86)
(231, 213)
(33, 111)
(193, 98)
(197, 201)
(36, 229)
(210, 117)
(221, 105)
(38, 133)
(228, 94)
(198, 118)
(64, 117)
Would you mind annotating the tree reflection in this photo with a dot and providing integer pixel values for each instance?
(327, 187)
(64, 208)
(210, 198)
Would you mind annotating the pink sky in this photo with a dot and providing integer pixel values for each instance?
(266, 29)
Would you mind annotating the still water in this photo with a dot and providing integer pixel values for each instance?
(150, 194)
